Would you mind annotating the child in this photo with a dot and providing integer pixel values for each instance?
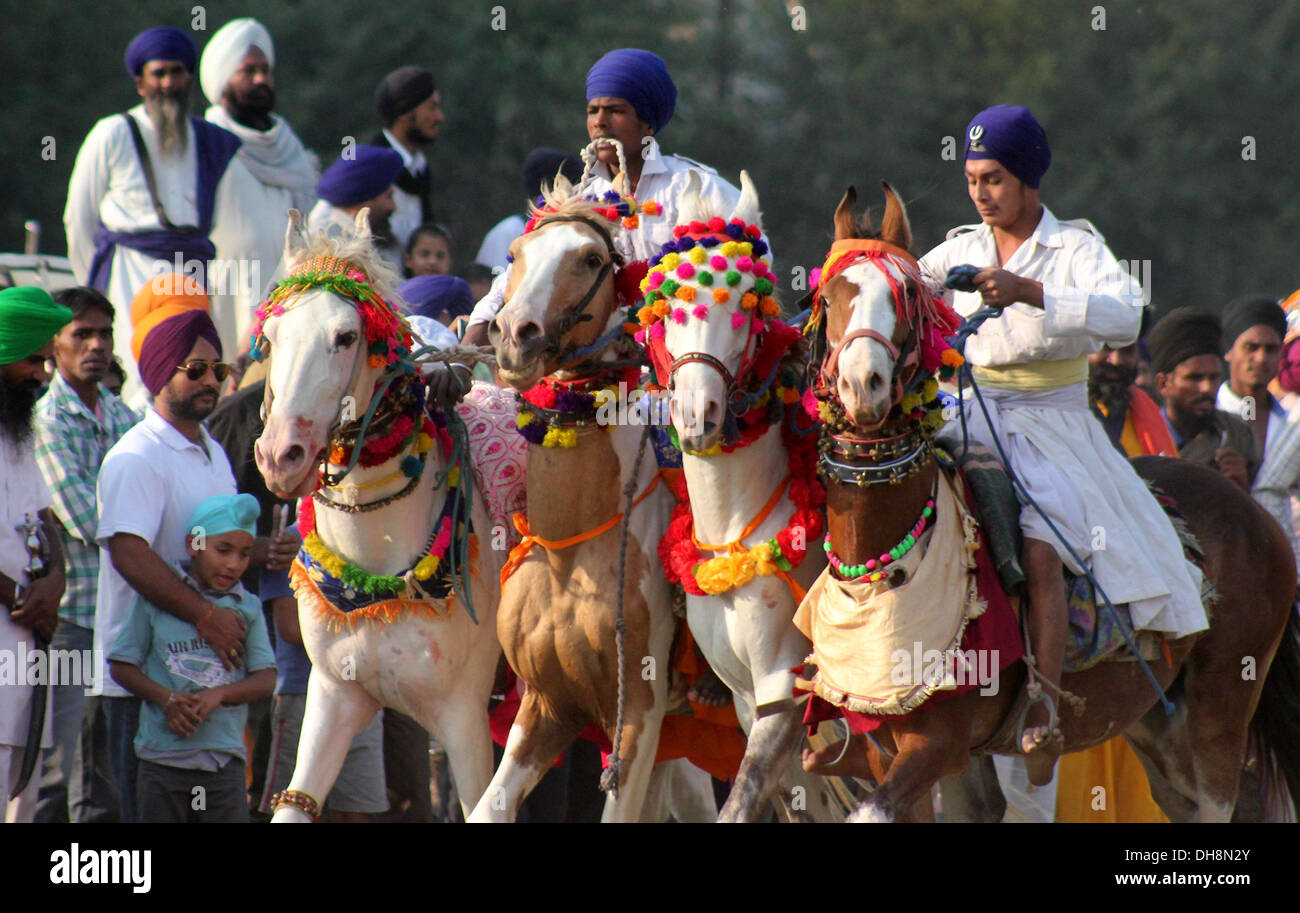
(190, 741)
(428, 251)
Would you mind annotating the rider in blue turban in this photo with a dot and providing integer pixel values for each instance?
(367, 173)
(161, 43)
(638, 76)
(1010, 135)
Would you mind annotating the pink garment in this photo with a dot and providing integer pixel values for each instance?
(497, 453)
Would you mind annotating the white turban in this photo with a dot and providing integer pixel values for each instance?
(226, 49)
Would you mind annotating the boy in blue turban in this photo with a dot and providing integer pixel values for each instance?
(1062, 296)
(194, 711)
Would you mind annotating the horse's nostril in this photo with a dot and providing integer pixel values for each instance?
(529, 331)
(293, 454)
(876, 381)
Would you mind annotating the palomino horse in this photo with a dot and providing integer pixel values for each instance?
(332, 339)
(1194, 757)
(750, 470)
(562, 320)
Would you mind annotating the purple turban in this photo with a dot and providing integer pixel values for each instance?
(641, 78)
(429, 296)
(1013, 137)
(370, 171)
(170, 342)
(161, 43)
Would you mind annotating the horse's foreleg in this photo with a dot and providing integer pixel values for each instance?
(975, 795)
(772, 741)
(681, 790)
(534, 742)
(463, 730)
(336, 712)
(640, 742)
(928, 748)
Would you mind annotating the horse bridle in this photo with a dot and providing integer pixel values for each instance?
(578, 314)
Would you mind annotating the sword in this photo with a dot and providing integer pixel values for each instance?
(37, 567)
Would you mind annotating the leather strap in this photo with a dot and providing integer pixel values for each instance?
(147, 166)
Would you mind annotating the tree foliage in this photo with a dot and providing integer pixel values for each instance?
(1152, 119)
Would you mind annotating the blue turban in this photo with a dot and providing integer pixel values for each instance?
(1012, 136)
(225, 513)
(429, 296)
(641, 78)
(161, 43)
(366, 175)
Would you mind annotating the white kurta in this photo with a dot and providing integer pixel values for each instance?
(279, 175)
(409, 213)
(108, 185)
(1061, 453)
(22, 494)
(663, 179)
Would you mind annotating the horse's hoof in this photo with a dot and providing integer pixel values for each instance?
(870, 813)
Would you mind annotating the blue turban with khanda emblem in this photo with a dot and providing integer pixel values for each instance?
(161, 43)
(638, 76)
(1013, 137)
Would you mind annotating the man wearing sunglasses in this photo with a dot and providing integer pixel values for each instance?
(150, 483)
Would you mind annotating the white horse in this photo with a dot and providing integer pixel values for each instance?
(428, 659)
(745, 632)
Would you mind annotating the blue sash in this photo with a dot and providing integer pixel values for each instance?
(214, 149)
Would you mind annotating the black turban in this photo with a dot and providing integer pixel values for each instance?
(403, 90)
(1252, 311)
(1181, 334)
(543, 163)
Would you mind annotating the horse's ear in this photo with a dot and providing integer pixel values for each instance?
(846, 223)
(747, 206)
(361, 226)
(295, 236)
(622, 183)
(562, 189)
(895, 228)
(688, 204)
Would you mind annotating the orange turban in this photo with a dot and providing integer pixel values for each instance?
(162, 297)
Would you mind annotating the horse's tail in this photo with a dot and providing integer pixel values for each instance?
(1275, 729)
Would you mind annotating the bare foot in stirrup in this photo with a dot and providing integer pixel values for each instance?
(828, 762)
(1041, 753)
(709, 690)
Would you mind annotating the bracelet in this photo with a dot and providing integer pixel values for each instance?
(212, 607)
(294, 798)
(171, 699)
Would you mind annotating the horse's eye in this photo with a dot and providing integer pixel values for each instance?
(594, 261)
(345, 340)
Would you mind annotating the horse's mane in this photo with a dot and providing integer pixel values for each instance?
(359, 251)
(564, 204)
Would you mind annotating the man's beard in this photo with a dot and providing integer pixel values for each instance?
(17, 403)
(420, 137)
(1110, 386)
(1190, 424)
(170, 117)
(252, 109)
(196, 408)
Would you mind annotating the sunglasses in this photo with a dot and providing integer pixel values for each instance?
(195, 370)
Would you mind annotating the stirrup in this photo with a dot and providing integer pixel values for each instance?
(1051, 715)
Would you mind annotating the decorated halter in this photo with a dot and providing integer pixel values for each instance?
(921, 360)
(551, 412)
(715, 270)
(388, 346)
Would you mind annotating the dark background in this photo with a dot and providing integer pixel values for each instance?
(1146, 117)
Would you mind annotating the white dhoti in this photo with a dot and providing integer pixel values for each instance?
(1098, 503)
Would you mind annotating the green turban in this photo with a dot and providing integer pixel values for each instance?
(29, 318)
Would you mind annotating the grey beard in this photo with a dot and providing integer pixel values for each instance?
(170, 120)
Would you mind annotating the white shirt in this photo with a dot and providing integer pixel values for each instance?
(409, 213)
(1278, 417)
(663, 179)
(150, 483)
(108, 185)
(22, 494)
(1088, 299)
(496, 243)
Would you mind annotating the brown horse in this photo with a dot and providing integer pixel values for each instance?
(559, 598)
(1193, 758)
